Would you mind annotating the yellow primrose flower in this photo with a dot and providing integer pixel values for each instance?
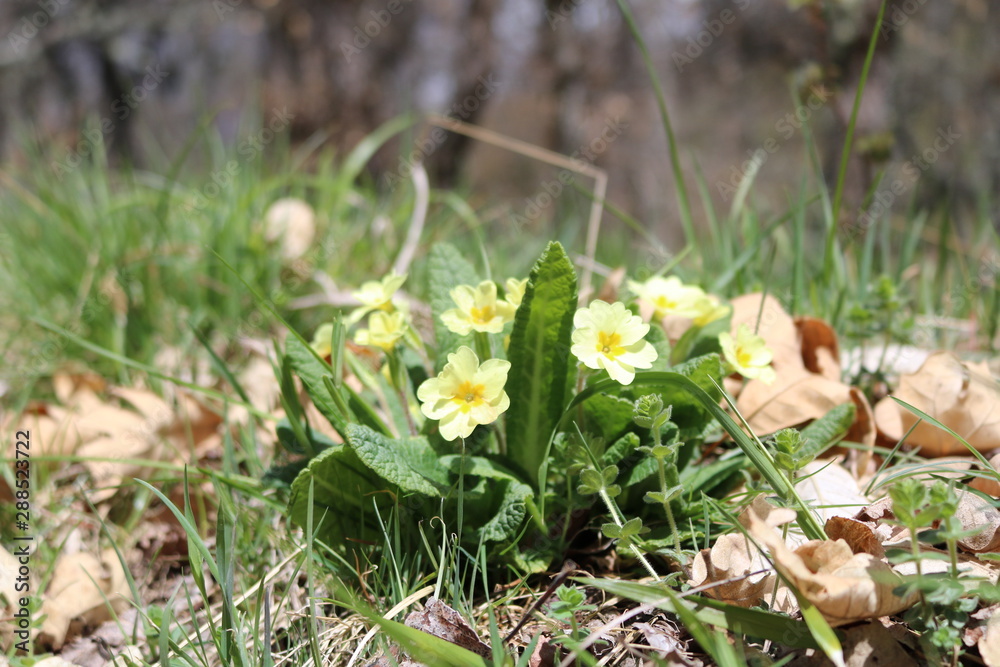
(322, 340)
(747, 354)
(710, 308)
(515, 290)
(608, 336)
(384, 329)
(478, 309)
(376, 295)
(668, 296)
(465, 394)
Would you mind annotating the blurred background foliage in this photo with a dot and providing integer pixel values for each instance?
(150, 75)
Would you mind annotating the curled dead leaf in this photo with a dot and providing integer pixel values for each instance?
(796, 397)
(735, 570)
(819, 347)
(963, 396)
(442, 621)
(979, 515)
(844, 586)
(859, 535)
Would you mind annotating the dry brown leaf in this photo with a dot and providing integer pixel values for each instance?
(989, 644)
(796, 397)
(665, 639)
(988, 485)
(72, 594)
(110, 460)
(962, 396)
(11, 597)
(862, 431)
(77, 388)
(442, 621)
(844, 586)
(108, 420)
(153, 408)
(859, 535)
(865, 645)
(55, 661)
(878, 512)
(979, 515)
(291, 222)
(819, 347)
(193, 424)
(772, 516)
(544, 655)
(734, 569)
(807, 368)
(9, 566)
(52, 434)
(111, 636)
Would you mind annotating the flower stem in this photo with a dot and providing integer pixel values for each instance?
(613, 511)
(461, 492)
(666, 505)
(482, 343)
(662, 469)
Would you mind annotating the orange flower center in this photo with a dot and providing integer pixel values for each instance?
(482, 315)
(608, 344)
(468, 396)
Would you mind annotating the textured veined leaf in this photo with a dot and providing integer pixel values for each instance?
(409, 463)
(540, 359)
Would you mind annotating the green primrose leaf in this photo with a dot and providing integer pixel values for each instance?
(540, 360)
(312, 371)
(409, 463)
(345, 494)
(500, 512)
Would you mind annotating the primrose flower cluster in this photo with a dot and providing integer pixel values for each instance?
(745, 354)
(470, 389)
